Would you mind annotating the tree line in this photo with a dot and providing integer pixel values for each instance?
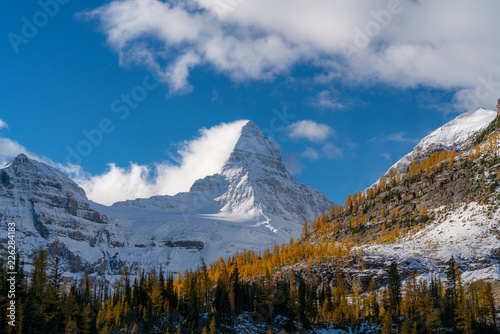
(193, 302)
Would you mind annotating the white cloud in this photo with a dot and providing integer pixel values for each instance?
(325, 99)
(310, 153)
(332, 151)
(309, 130)
(199, 157)
(9, 148)
(430, 43)
(398, 137)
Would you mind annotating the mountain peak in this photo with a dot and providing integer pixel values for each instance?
(39, 173)
(458, 134)
(18, 160)
(253, 180)
(253, 141)
(21, 157)
(458, 131)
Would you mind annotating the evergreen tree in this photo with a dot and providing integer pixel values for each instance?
(394, 288)
(450, 303)
(302, 304)
(235, 293)
(56, 274)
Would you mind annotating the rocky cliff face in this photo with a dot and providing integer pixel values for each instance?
(47, 208)
(44, 203)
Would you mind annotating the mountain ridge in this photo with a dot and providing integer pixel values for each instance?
(457, 135)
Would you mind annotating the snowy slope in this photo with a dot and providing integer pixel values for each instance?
(467, 230)
(179, 241)
(457, 134)
(469, 233)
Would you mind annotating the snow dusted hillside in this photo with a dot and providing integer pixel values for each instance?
(458, 134)
(468, 232)
(251, 204)
(43, 203)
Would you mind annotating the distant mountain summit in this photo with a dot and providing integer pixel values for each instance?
(50, 211)
(253, 181)
(43, 202)
(458, 134)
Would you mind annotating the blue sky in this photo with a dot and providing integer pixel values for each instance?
(200, 63)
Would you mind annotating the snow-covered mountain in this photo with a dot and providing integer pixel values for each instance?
(251, 203)
(49, 210)
(458, 134)
(253, 181)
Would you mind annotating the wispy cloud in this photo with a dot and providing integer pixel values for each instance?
(310, 130)
(332, 151)
(398, 137)
(327, 100)
(3, 125)
(327, 150)
(260, 39)
(310, 153)
(386, 155)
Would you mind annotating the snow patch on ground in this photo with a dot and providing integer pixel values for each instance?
(469, 234)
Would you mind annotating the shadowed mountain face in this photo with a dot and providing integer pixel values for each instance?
(44, 203)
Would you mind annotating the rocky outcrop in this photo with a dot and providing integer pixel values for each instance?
(36, 195)
(47, 208)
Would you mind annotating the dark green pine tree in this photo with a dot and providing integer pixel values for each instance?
(235, 293)
(265, 298)
(38, 307)
(450, 302)
(56, 271)
(33, 319)
(283, 304)
(221, 302)
(394, 288)
(302, 304)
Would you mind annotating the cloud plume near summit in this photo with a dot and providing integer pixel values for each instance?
(199, 157)
(437, 44)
